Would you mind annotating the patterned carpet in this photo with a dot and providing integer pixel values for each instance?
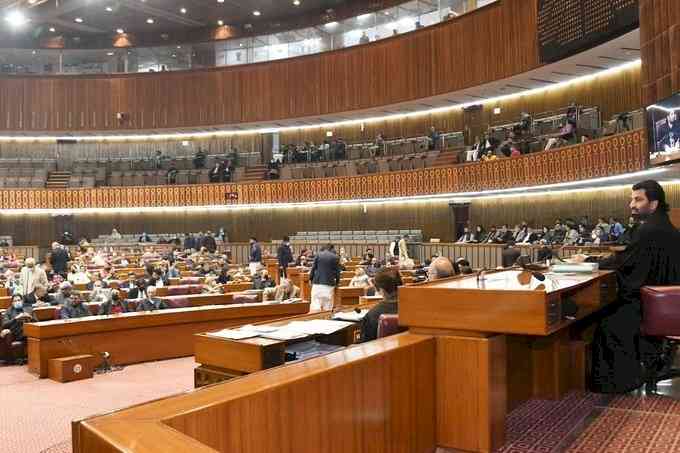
(35, 414)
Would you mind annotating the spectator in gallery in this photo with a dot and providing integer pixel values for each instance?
(199, 159)
(433, 139)
(467, 236)
(144, 238)
(158, 159)
(171, 175)
(273, 168)
(364, 39)
(215, 173)
(566, 134)
(227, 171)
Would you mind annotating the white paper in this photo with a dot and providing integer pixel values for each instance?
(350, 315)
(230, 334)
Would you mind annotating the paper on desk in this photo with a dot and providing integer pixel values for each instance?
(350, 315)
(319, 326)
(234, 334)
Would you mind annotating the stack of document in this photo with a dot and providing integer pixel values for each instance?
(291, 331)
(353, 316)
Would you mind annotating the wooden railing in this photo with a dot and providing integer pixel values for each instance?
(606, 157)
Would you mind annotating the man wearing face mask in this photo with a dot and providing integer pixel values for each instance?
(31, 276)
(651, 258)
(387, 281)
(13, 320)
(74, 308)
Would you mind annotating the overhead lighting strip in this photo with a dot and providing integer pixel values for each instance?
(325, 125)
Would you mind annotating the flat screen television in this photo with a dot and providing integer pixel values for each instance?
(663, 130)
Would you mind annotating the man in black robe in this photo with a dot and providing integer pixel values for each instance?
(652, 258)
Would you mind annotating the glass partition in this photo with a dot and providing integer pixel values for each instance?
(354, 31)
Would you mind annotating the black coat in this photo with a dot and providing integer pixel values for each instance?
(209, 243)
(369, 325)
(60, 258)
(652, 258)
(326, 269)
(284, 255)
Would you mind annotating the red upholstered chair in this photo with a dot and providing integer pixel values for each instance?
(661, 319)
(388, 324)
(176, 301)
(178, 290)
(243, 298)
(132, 304)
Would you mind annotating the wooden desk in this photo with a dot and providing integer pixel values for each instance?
(5, 301)
(318, 405)
(141, 336)
(231, 358)
(348, 295)
(272, 266)
(300, 278)
(500, 342)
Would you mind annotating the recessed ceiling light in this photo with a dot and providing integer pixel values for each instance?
(120, 31)
(183, 10)
(296, 3)
(150, 21)
(108, 8)
(52, 29)
(220, 22)
(79, 20)
(220, 1)
(110, 54)
(256, 13)
(179, 47)
(16, 18)
(34, 52)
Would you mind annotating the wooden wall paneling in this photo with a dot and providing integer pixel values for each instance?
(411, 66)
(659, 42)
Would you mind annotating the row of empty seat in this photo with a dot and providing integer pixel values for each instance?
(368, 236)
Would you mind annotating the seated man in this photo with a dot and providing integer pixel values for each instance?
(130, 283)
(63, 296)
(39, 297)
(138, 291)
(440, 267)
(263, 280)
(113, 306)
(74, 308)
(284, 291)
(387, 281)
(13, 320)
(151, 303)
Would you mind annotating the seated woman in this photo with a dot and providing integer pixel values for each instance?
(387, 281)
(113, 306)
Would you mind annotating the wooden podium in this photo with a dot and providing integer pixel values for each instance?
(501, 341)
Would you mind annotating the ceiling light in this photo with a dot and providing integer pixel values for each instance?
(179, 47)
(220, 1)
(183, 10)
(220, 22)
(120, 31)
(79, 20)
(256, 13)
(110, 54)
(108, 8)
(52, 29)
(296, 3)
(16, 18)
(150, 21)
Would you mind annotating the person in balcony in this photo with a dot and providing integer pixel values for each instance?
(171, 175)
(215, 174)
(433, 138)
(199, 159)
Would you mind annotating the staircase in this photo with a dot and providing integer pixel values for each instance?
(255, 173)
(446, 158)
(58, 180)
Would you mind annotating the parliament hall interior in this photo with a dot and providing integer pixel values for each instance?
(339, 226)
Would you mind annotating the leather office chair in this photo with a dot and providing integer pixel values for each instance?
(11, 350)
(388, 324)
(661, 319)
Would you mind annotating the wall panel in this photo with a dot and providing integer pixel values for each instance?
(660, 48)
(491, 43)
